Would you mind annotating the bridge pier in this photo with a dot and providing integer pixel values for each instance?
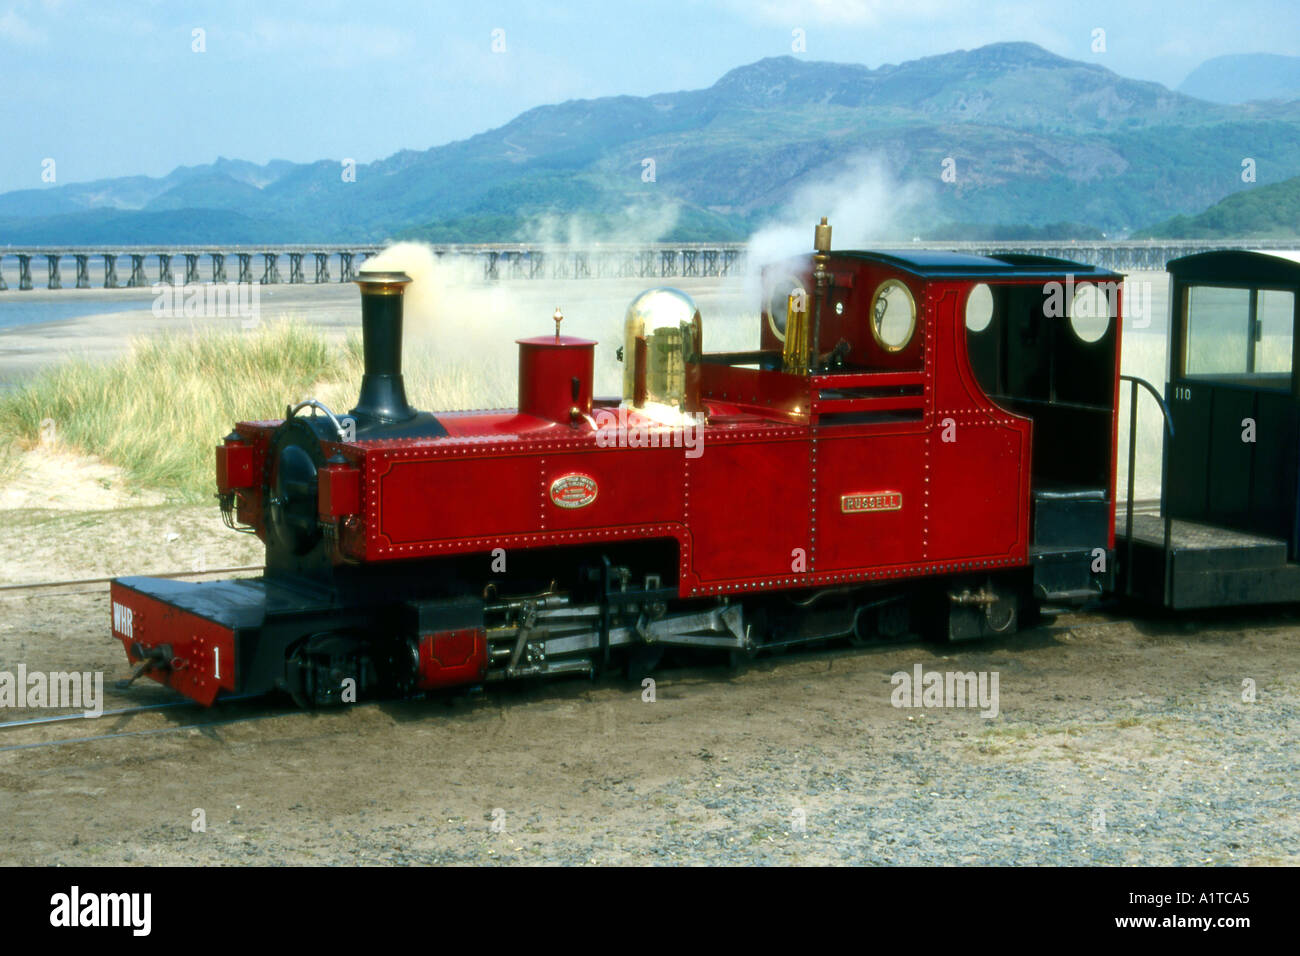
(24, 272)
(347, 272)
(55, 280)
(83, 271)
(110, 271)
(322, 267)
(138, 279)
(668, 263)
(218, 266)
(192, 268)
(245, 267)
(271, 268)
(295, 268)
(3, 284)
(165, 269)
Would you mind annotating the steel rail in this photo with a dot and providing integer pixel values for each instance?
(159, 574)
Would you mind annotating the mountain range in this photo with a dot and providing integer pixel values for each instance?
(1242, 77)
(1004, 138)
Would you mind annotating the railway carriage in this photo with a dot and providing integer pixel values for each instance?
(921, 443)
(1228, 533)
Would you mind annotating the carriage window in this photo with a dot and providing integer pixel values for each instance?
(1218, 331)
(1274, 317)
(1242, 333)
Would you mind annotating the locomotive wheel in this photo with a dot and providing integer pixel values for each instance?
(881, 624)
(642, 660)
(319, 666)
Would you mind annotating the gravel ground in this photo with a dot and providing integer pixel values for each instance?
(1116, 743)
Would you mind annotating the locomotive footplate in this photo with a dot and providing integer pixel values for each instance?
(213, 637)
(187, 635)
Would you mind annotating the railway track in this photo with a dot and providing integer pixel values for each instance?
(230, 711)
(99, 584)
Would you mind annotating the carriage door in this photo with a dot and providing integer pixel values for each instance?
(1232, 461)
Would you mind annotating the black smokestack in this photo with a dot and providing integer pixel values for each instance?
(383, 392)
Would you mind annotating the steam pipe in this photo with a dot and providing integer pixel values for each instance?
(821, 255)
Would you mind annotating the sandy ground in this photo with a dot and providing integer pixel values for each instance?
(1116, 743)
(54, 478)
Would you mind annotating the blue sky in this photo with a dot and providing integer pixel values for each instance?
(116, 89)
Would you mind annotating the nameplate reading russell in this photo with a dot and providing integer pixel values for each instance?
(875, 501)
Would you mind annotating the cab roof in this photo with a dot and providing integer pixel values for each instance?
(1239, 265)
(961, 265)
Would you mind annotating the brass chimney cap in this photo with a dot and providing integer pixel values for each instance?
(382, 283)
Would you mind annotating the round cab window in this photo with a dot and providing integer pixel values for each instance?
(1090, 312)
(893, 315)
(979, 308)
(778, 301)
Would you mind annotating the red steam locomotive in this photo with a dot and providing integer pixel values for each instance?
(922, 443)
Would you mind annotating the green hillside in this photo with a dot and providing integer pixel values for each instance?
(1265, 212)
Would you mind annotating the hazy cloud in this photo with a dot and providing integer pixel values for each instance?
(15, 28)
(334, 43)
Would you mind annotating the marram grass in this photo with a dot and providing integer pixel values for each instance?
(158, 411)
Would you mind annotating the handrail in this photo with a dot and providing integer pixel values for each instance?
(1164, 474)
(314, 405)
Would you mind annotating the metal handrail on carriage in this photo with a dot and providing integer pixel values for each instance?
(1134, 381)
